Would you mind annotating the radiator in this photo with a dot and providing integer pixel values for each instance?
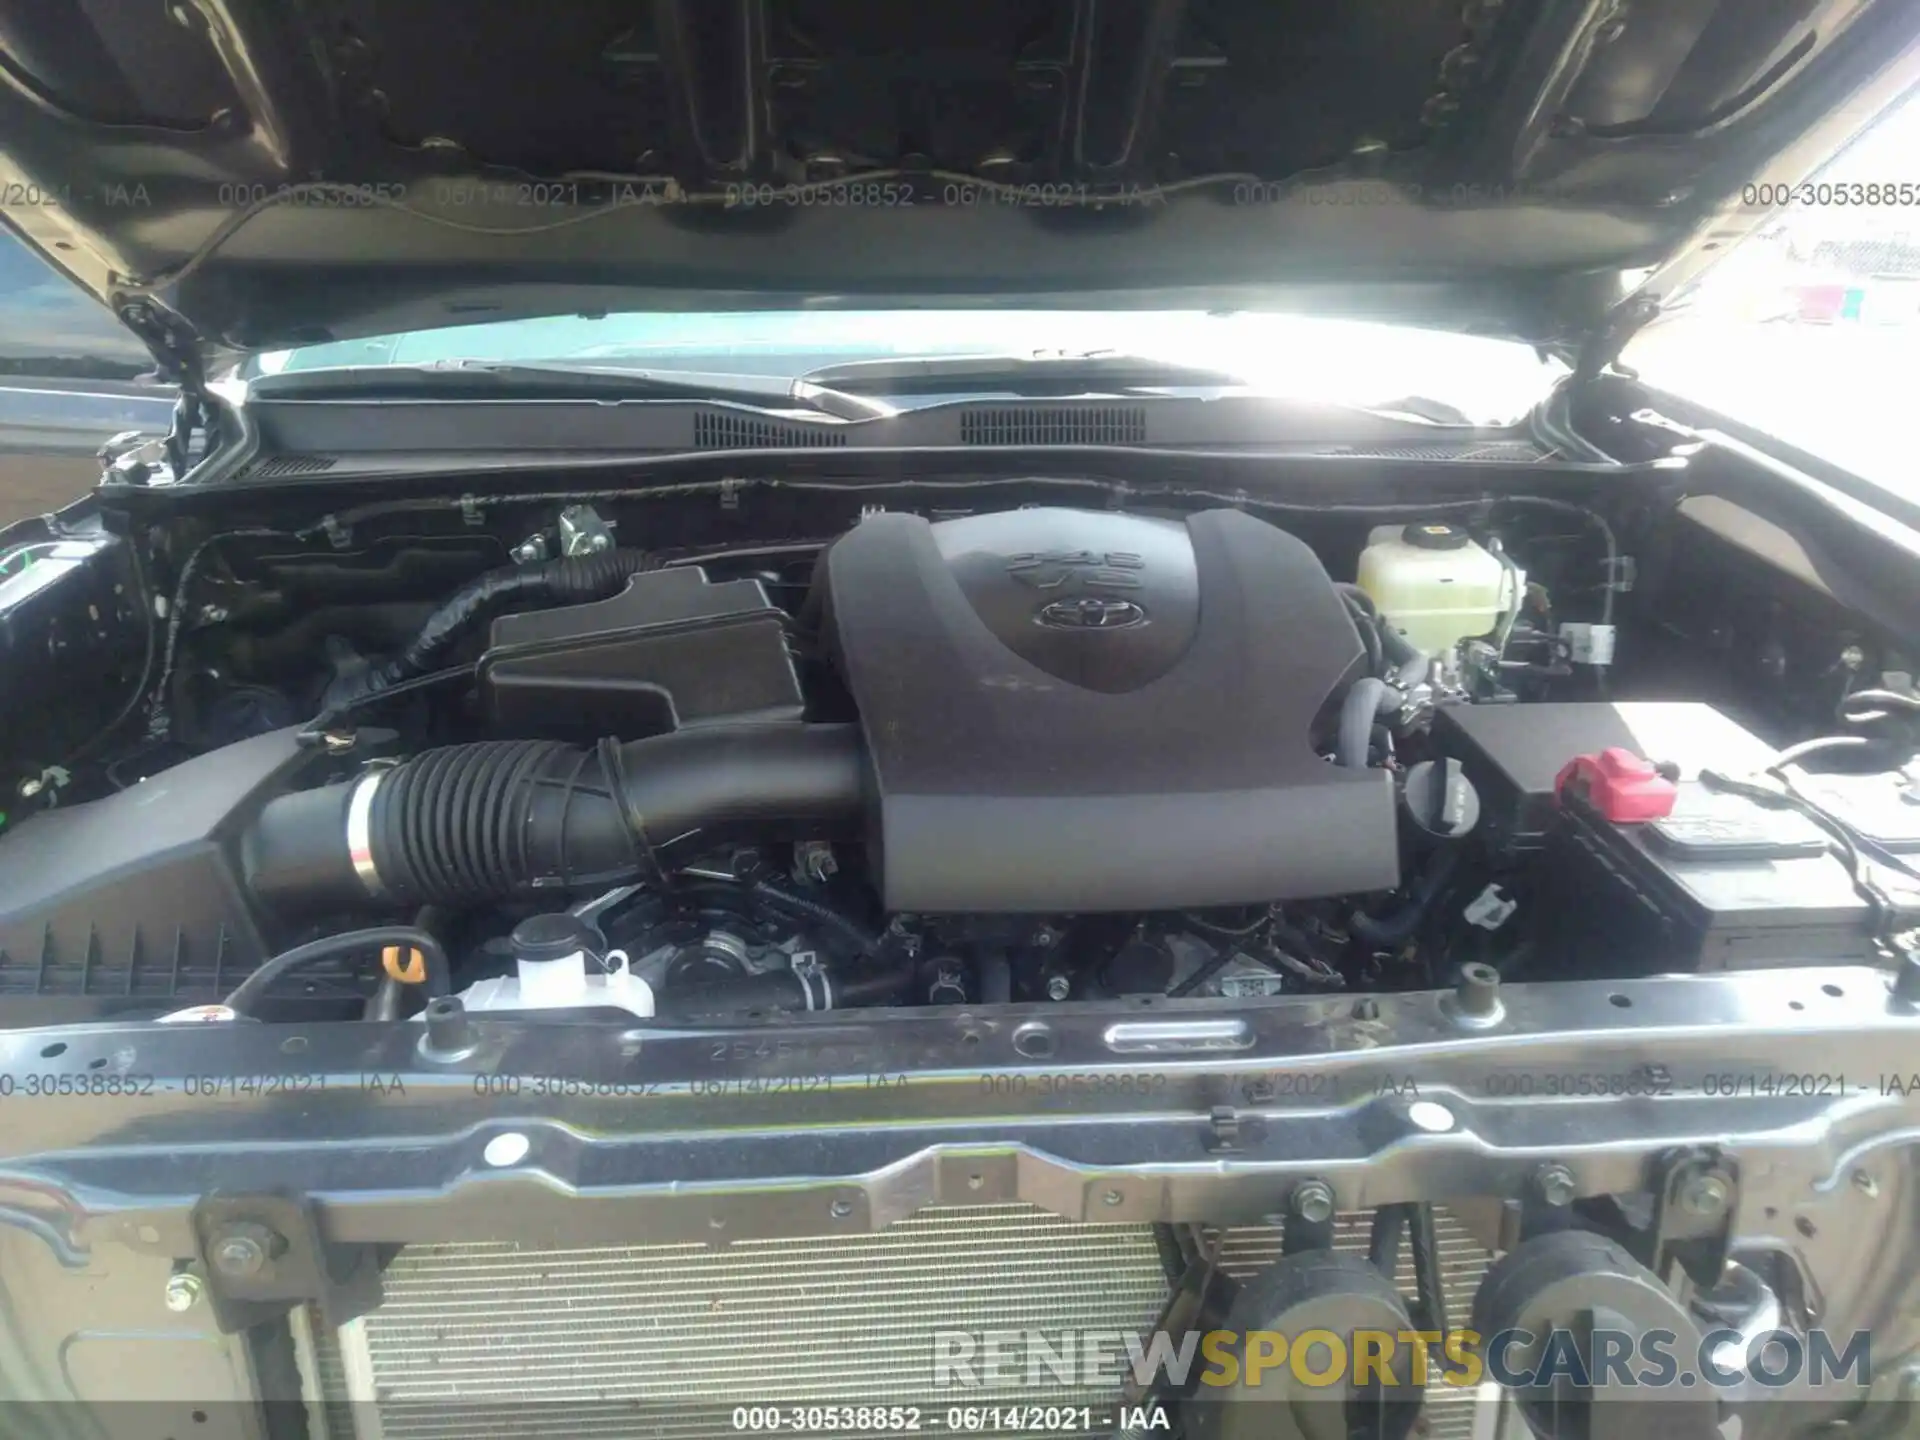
(486, 1340)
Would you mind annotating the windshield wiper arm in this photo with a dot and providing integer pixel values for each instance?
(486, 379)
(1059, 375)
(1016, 375)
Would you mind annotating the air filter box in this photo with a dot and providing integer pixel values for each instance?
(135, 902)
(671, 651)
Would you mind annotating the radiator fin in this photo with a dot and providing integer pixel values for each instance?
(485, 1340)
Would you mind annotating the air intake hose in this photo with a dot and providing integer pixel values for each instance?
(485, 822)
(569, 580)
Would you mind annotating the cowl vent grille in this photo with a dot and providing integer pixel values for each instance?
(723, 430)
(278, 467)
(1080, 425)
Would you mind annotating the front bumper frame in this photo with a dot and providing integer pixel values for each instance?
(147, 1139)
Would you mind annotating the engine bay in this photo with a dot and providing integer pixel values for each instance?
(1053, 747)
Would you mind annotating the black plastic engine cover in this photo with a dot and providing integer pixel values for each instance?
(1076, 711)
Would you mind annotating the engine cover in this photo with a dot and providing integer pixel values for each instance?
(1077, 711)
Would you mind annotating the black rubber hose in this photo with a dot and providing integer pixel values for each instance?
(483, 823)
(1368, 697)
(569, 580)
(781, 898)
(1365, 622)
(1407, 663)
(1358, 598)
(1385, 932)
(250, 990)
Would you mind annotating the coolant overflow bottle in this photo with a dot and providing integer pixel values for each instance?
(561, 966)
(552, 952)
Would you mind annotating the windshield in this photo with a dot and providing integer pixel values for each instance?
(1810, 329)
(1488, 382)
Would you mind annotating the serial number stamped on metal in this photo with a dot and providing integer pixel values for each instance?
(827, 1419)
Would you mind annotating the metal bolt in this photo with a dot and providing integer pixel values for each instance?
(1852, 658)
(1705, 1196)
(1312, 1201)
(1059, 987)
(1906, 980)
(31, 788)
(1555, 1184)
(448, 1030)
(1479, 990)
(530, 550)
(815, 861)
(339, 741)
(1112, 1197)
(240, 1256)
(212, 614)
(841, 1209)
(184, 1291)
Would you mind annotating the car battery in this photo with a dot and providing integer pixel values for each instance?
(1721, 882)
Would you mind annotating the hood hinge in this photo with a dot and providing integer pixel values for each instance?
(175, 347)
(1601, 346)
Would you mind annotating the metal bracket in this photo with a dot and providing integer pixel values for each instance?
(1696, 1192)
(338, 535)
(264, 1254)
(1225, 1125)
(175, 347)
(470, 511)
(583, 532)
(173, 342)
(1603, 345)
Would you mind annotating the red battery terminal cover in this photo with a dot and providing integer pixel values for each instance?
(1619, 785)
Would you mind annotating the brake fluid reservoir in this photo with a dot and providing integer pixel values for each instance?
(1434, 584)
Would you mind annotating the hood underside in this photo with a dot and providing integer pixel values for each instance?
(245, 174)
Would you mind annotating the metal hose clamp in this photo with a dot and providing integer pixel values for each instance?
(360, 831)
